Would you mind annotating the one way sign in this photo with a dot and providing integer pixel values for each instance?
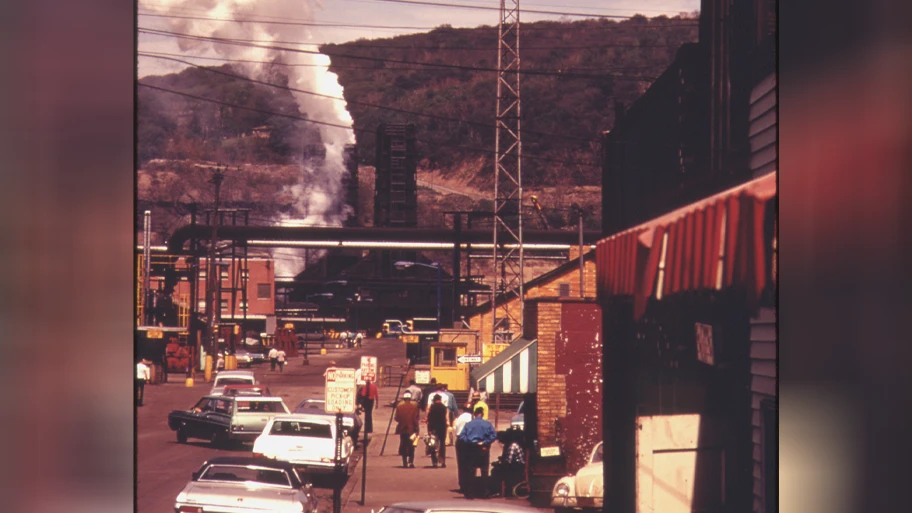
(469, 358)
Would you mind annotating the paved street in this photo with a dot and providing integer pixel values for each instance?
(164, 466)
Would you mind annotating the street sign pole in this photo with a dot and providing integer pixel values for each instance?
(337, 486)
(364, 466)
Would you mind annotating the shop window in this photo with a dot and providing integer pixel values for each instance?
(444, 357)
(264, 290)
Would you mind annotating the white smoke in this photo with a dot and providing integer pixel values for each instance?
(319, 195)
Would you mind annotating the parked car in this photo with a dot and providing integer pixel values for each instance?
(221, 419)
(242, 390)
(232, 377)
(519, 419)
(246, 485)
(351, 421)
(454, 506)
(585, 490)
(307, 441)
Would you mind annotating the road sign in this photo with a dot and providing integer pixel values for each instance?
(369, 368)
(340, 390)
(422, 377)
(469, 358)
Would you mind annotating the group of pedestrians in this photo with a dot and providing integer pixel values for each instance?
(276, 358)
(472, 435)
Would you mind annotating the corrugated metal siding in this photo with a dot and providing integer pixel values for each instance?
(763, 130)
(763, 386)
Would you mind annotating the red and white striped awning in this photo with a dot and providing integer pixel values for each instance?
(714, 243)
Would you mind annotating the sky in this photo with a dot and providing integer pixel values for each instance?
(366, 19)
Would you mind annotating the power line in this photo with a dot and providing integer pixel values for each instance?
(355, 102)
(395, 61)
(276, 22)
(361, 130)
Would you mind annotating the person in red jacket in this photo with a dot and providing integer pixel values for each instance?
(407, 428)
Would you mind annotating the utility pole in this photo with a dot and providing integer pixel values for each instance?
(213, 303)
(147, 267)
(508, 205)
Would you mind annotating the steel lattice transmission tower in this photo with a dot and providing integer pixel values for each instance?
(508, 226)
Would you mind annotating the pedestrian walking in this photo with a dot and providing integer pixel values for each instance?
(359, 338)
(480, 403)
(415, 390)
(450, 401)
(143, 375)
(273, 358)
(438, 421)
(280, 359)
(407, 428)
(478, 435)
(368, 400)
(458, 425)
(427, 392)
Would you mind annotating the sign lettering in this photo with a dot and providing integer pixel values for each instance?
(340, 390)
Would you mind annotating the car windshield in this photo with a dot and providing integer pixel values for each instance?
(242, 474)
(233, 381)
(392, 509)
(299, 428)
(597, 457)
(260, 406)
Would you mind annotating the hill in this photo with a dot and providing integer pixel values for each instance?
(573, 75)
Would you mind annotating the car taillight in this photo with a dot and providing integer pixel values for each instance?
(191, 509)
(258, 455)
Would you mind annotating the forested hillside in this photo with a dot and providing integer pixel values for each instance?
(572, 75)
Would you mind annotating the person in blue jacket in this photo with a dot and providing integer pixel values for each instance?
(476, 437)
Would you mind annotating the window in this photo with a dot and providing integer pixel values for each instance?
(245, 274)
(264, 290)
(201, 306)
(202, 274)
(224, 304)
(563, 289)
(242, 305)
(223, 274)
(444, 357)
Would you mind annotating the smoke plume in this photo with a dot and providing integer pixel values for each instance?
(319, 195)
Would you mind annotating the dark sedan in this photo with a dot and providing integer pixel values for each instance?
(221, 419)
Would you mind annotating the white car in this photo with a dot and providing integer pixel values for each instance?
(231, 377)
(307, 441)
(583, 491)
(246, 485)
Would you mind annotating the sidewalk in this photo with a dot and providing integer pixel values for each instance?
(388, 483)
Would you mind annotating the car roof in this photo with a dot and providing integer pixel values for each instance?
(235, 374)
(244, 385)
(463, 505)
(244, 460)
(321, 419)
(248, 398)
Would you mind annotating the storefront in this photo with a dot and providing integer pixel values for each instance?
(678, 296)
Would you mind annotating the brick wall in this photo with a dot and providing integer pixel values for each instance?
(552, 399)
(550, 288)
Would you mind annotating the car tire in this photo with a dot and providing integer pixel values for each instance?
(564, 510)
(181, 436)
(217, 439)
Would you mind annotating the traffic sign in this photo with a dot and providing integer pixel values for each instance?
(340, 390)
(369, 368)
(469, 358)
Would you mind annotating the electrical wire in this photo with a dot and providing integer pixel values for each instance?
(359, 130)
(363, 104)
(394, 61)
